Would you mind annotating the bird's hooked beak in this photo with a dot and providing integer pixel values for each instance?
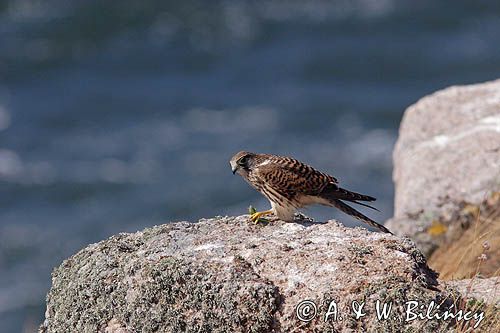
(234, 167)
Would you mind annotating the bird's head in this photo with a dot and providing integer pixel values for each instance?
(242, 162)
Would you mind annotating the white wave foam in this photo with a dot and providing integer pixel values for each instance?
(10, 164)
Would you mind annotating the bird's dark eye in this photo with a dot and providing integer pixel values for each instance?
(243, 161)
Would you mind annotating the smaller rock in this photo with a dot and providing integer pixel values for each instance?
(447, 152)
(485, 290)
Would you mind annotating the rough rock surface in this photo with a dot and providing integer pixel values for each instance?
(448, 151)
(228, 275)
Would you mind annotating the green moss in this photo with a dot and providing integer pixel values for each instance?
(169, 295)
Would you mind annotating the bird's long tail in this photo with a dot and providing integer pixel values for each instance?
(334, 195)
(354, 213)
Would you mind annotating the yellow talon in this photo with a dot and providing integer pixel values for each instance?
(256, 216)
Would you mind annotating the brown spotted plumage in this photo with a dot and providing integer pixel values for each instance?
(290, 184)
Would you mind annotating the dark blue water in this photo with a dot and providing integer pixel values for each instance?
(119, 115)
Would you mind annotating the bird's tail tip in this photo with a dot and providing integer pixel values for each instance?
(354, 213)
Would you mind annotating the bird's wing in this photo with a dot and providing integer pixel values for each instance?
(290, 177)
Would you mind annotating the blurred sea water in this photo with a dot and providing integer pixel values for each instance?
(115, 116)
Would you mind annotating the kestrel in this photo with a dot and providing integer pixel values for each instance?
(290, 184)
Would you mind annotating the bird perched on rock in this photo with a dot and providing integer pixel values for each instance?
(290, 184)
